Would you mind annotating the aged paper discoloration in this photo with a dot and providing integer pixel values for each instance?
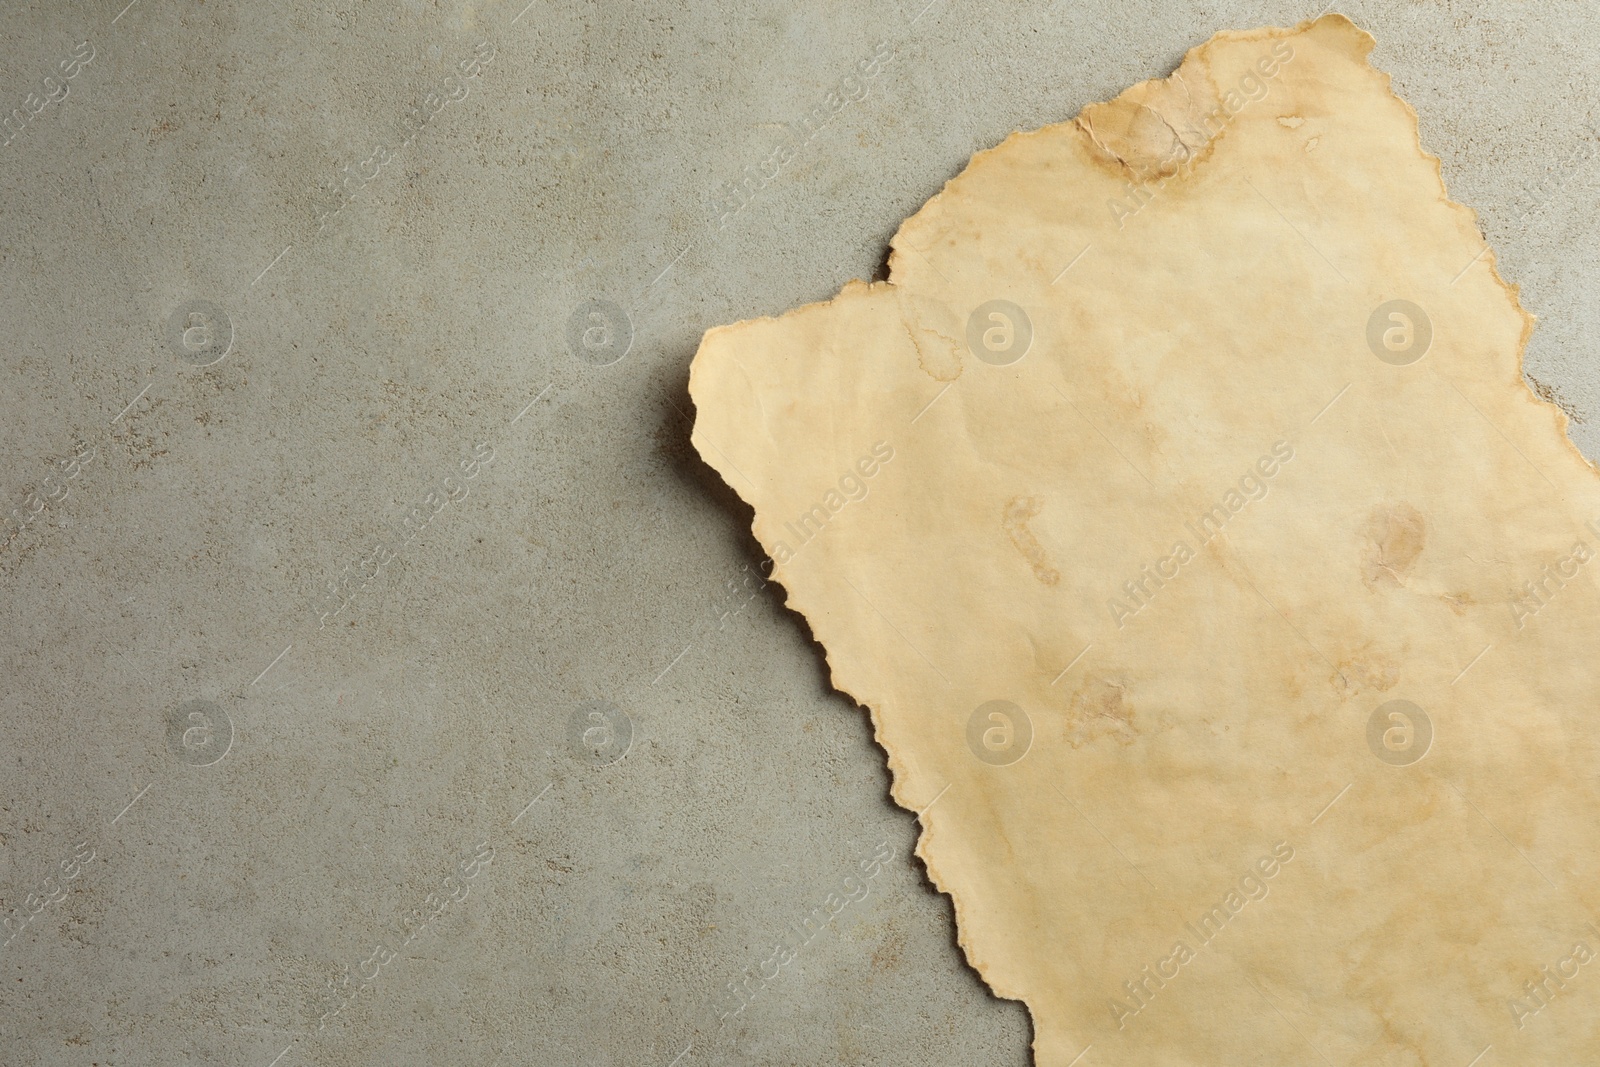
(1229, 589)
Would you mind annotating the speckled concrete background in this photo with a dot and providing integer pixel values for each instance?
(385, 680)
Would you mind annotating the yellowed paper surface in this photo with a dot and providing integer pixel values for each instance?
(1180, 513)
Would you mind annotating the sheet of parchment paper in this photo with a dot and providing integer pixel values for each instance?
(1219, 591)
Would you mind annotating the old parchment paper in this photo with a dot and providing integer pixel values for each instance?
(1218, 589)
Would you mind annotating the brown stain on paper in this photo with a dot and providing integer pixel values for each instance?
(1100, 708)
(1018, 512)
(1395, 536)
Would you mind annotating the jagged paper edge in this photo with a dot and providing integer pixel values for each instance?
(1195, 60)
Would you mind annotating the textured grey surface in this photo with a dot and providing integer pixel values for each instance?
(375, 751)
